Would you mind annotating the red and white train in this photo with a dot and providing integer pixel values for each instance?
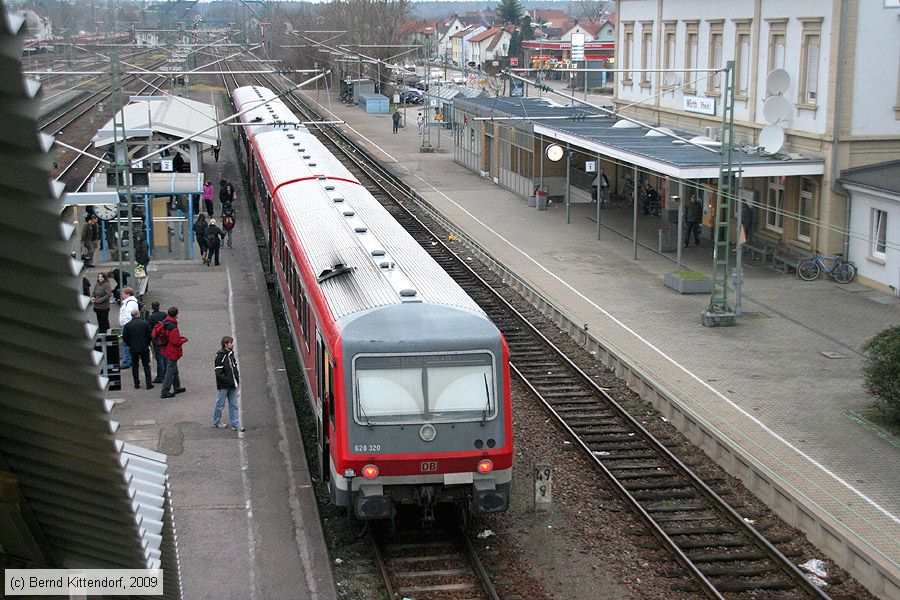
(408, 378)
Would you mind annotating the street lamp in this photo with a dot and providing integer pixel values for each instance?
(540, 50)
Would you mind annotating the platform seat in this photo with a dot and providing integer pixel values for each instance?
(761, 254)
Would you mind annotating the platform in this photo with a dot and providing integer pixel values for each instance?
(245, 510)
(769, 398)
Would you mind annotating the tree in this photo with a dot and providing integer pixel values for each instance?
(509, 11)
(881, 371)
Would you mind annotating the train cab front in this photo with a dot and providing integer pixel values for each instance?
(473, 484)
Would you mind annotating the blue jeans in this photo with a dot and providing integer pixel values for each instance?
(231, 395)
(228, 237)
(160, 362)
(126, 356)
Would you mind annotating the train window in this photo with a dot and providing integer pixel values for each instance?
(424, 387)
(331, 392)
(303, 316)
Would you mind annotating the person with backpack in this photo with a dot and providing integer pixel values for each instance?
(226, 192)
(228, 378)
(129, 305)
(154, 318)
(170, 339)
(228, 221)
(214, 236)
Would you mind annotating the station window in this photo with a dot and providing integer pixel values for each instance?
(646, 51)
(878, 234)
(627, 51)
(806, 209)
(742, 59)
(691, 57)
(809, 62)
(775, 205)
(714, 57)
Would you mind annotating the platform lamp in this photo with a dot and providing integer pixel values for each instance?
(534, 25)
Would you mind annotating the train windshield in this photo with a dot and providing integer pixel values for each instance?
(415, 388)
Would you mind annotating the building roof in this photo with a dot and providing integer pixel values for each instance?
(487, 33)
(467, 31)
(883, 177)
(588, 128)
(170, 115)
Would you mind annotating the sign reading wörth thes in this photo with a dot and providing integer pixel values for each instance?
(696, 104)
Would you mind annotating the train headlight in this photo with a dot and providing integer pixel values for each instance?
(427, 432)
(371, 471)
(485, 466)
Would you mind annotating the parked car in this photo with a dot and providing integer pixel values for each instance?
(421, 85)
(458, 79)
(411, 96)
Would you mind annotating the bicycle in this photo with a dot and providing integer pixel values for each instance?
(841, 271)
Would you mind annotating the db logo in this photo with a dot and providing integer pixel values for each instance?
(429, 466)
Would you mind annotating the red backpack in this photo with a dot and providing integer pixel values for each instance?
(159, 335)
(228, 222)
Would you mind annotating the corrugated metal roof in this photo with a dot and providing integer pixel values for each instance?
(361, 234)
(582, 128)
(77, 505)
(884, 177)
(178, 117)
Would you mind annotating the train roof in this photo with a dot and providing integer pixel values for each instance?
(267, 108)
(362, 257)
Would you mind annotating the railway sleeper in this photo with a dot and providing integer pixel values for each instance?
(704, 530)
(670, 484)
(444, 587)
(736, 585)
(640, 466)
(435, 573)
(651, 475)
(658, 497)
(611, 459)
(444, 558)
(727, 557)
(747, 570)
(575, 398)
(580, 413)
(592, 428)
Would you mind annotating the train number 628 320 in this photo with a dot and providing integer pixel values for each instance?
(367, 448)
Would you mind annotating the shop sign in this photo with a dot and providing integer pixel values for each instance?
(703, 106)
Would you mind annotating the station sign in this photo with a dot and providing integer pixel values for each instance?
(577, 46)
(700, 105)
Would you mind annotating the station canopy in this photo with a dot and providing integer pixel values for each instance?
(589, 130)
(172, 116)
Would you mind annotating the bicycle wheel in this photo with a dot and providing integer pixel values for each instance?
(844, 273)
(808, 270)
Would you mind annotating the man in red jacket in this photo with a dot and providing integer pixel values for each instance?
(170, 340)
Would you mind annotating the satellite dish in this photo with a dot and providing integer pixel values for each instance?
(659, 132)
(777, 109)
(670, 79)
(771, 139)
(777, 81)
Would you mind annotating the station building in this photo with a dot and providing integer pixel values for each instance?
(842, 60)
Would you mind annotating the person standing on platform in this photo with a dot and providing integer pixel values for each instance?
(396, 120)
(155, 317)
(100, 298)
(178, 162)
(420, 123)
(141, 251)
(226, 192)
(200, 226)
(129, 304)
(216, 149)
(746, 220)
(136, 335)
(171, 341)
(227, 381)
(229, 218)
(208, 197)
(214, 237)
(693, 214)
(88, 245)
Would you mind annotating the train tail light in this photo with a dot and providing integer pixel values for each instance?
(485, 466)
(370, 471)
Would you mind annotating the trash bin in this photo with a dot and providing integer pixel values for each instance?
(666, 244)
(532, 201)
(541, 199)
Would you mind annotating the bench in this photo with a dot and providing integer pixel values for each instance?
(785, 259)
(761, 254)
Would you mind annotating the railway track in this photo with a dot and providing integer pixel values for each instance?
(430, 564)
(718, 549)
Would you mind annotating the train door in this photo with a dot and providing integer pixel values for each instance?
(324, 404)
